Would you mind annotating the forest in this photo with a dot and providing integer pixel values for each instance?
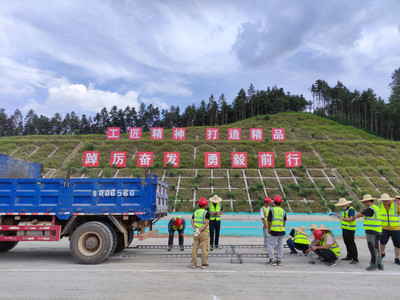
(362, 109)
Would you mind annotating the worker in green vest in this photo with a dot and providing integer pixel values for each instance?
(176, 223)
(390, 212)
(373, 231)
(216, 211)
(276, 231)
(298, 239)
(200, 223)
(326, 246)
(264, 219)
(348, 225)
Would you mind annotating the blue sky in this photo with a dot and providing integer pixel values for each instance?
(72, 55)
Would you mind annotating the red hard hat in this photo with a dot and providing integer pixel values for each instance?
(178, 222)
(267, 199)
(278, 198)
(203, 201)
(317, 234)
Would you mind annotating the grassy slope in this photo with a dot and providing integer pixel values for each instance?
(336, 161)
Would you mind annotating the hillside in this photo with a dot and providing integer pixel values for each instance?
(336, 161)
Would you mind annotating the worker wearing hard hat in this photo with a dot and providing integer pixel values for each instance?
(200, 223)
(176, 223)
(390, 212)
(373, 231)
(326, 246)
(264, 219)
(216, 211)
(298, 239)
(348, 225)
(276, 231)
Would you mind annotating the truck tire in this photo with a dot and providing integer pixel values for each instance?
(114, 233)
(6, 246)
(92, 243)
(130, 236)
(120, 244)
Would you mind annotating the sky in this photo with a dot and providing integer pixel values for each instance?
(81, 56)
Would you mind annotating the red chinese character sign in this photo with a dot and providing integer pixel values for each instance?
(113, 133)
(278, 134)
(212, 159)
(256, 134)
(179, 133)
(292, 159)
(212, 134)
(234, 134)
(266, 160)
(144, 159)
(171, 159)
(157, 133)
(239, 159)
(91, 158)
(135, 133)
(118, 159)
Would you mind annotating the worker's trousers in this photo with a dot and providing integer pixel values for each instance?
(351, 247)
(277, 241)
(202, 239)
(265, 234)
(215, 227)
(373, 246)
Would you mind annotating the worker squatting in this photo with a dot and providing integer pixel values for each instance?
(381, 222)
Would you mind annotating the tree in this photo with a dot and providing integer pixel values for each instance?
(395, 86)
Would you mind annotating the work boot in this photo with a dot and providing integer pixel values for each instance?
(272, 262)
(397, 261)
(383, 254)
(380, 267)
(205, 266)
(278, 262)
(169, 249)
(371, 268)
(354, 262)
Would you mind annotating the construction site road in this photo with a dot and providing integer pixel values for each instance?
(145, 270)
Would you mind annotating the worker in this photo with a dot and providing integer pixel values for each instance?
(298, 239)
(348, 225)
(276, 231)
(176, 223)
(216, 211)
(200, 223)
(373, 231)
(390, 212)
(325, 246)
(264, 216)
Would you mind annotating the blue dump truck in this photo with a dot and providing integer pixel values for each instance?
(99, 216)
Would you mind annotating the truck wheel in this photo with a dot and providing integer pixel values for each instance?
(130, 236)
(91, 243)
(120, 242)
(114, 234)
(6, 246)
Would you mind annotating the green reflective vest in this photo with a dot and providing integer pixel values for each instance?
(300, 238)
(346, 224)
(278, 215)
(391, 217)
(174, 227)
(266, 211)
(200, 218)
(334, 248)
(373, 223)
(215, 208)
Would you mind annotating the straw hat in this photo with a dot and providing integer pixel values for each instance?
(322, 227)
(301, 229)
(313, 227)
(343, 202)
(367, 197)
(385, 197)
(215, 199)
(397, 197)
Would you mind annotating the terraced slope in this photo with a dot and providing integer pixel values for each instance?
(337, 161)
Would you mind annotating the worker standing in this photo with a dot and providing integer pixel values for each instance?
(390, 212)
(348, 225)
(264, 219)
(326, 246)
(373, 231)
(276, 231)
(298, 239)
(176, 223)
(200, 223)
(216, 211)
